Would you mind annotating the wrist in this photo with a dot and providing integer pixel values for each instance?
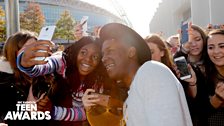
(192, 84)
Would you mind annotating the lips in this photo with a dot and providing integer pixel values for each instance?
(218, 57)
(194, 49)
(85, 67)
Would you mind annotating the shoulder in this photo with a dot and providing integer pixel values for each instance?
(152, 67)
(5, 67)
(152, 74)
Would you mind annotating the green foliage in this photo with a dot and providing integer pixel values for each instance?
(32, 18)
(65, 27)
(2, 25)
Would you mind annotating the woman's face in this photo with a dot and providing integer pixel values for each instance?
(195, 43)
(157, 54)
(88, 58)
(215, 49)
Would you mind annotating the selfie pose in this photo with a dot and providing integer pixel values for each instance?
(126, 57)
(77, 68)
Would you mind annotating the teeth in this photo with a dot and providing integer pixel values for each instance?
(85, 65)
(217, 57)
(108, 67)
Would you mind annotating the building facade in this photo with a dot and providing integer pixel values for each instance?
(170, 13)
(52, 10)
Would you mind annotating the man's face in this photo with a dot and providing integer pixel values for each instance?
(115, 59)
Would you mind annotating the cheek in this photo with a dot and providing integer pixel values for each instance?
(96, 63)
(210, 53)
(155, 56)
(200, 45)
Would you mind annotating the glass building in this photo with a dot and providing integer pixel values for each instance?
(52, 10)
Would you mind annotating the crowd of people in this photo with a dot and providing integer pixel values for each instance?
(116, 78)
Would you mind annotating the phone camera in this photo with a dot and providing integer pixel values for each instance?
(46, 29)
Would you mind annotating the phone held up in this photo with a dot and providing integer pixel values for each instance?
(184, 32)
(182, 67)
(83, 22)
(46, 33)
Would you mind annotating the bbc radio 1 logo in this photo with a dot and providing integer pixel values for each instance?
(27, 110)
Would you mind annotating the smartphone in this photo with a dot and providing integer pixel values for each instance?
(46, 33)
(83, 23)
(184, 32)
(216, 26)
(182, 67)
(104, 99)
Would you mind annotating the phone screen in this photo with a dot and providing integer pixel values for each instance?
(184, 32)
(182, 66)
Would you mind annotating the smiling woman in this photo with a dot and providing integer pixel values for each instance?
(215, 75)
(79, 67)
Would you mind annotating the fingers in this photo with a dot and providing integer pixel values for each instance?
(78, 31)
(219, 91)
(88, 91)
(33, 50)
(3, 124)
(30, 95)
(177, 71)
(193, 78)
(89, 99)
(44, 103)
(41, 97)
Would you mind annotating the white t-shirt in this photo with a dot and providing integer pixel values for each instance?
(156, 98)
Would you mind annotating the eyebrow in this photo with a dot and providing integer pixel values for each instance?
(221, 43)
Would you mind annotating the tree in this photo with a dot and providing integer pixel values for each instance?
(65, 27)
(32, 18)
(2, 25)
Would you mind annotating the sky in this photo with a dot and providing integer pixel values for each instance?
(139, 12)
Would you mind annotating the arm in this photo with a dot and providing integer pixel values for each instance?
(217, 100)
(156, 97)
(54, 63)
(68, 114)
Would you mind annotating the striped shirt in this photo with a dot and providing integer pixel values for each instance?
(57, 63)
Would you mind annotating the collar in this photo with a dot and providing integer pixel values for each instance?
(5, 67)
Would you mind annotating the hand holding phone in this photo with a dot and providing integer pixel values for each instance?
(104, 99)
(83, 23)
(182, 67)
(184, 32)
(46, 33)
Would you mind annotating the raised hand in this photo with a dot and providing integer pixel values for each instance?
(31, 51)
(89, 99)
(78, 32)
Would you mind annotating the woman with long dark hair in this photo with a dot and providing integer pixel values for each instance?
(76, 69)
(215, 76)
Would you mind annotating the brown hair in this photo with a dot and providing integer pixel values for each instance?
(203, 36)
(167, 58)
(12, 45)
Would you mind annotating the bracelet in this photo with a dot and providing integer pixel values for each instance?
(192, 84)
